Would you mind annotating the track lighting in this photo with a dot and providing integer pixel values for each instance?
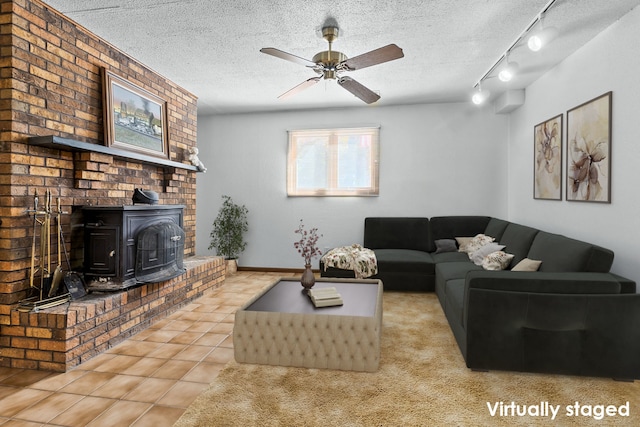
(535, 42)
(480, 96)
(542, 38)
(509, 70)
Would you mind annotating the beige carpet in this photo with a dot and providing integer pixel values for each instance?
(422, 381)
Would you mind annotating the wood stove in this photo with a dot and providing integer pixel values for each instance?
(128, 245)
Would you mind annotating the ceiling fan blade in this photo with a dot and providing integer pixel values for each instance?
(305, 84)
(287, 56)
(362, 92)
(374, 57)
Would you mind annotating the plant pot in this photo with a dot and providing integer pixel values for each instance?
(232, 265)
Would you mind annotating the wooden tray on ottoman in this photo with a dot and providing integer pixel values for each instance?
(280, 326)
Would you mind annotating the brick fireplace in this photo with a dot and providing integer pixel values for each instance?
(51, 138)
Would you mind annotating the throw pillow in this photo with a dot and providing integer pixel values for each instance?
(497, 261)
(479, 255)
(463, 243)
(479, 241)
(527, 265)
(445, 245)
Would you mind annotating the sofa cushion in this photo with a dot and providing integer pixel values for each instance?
(477, 242)
(478, 256)
(454, 270)
(517, 240)
(560, 253)
(446, 245)
(495, 228)
(450, 257)
(527, 265)
(404, 260)
(544, 283)
(450, 227)
(497, 261)
(463, 243)
(397, 233)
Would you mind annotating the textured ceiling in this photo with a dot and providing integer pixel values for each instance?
(212, 48)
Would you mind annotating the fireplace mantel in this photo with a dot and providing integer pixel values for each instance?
(67, 144)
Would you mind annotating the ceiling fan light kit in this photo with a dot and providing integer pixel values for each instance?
(535, 42)
(331, 64)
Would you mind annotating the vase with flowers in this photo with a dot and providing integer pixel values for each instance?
(307, 246)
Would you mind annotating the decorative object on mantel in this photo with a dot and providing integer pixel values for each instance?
(144, 197)
(547, 171)
(135, 119)
(195, 161)
(589, 151)
(227, 233)
(307, 246)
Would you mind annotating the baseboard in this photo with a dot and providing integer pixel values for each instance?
(276, 269)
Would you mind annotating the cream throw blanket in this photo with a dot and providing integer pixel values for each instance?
(361, 260)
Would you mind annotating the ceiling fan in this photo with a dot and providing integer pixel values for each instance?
(331, 64)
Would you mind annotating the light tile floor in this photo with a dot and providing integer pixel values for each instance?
(147, 380)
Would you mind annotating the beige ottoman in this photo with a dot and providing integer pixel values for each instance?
(281, 326)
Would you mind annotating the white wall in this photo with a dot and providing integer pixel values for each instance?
(444, 159)
(608, 63)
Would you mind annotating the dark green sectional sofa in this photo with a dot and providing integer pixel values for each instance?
(572, 316)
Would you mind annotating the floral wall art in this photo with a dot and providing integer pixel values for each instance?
(589, 151)
(547, 136)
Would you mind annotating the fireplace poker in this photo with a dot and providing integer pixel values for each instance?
(57, 274)
(33, 242)
(45, 246)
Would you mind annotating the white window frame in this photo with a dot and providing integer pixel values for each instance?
(332, 188)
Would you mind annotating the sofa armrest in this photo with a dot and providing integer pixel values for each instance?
(543, 282)
(575, 334)
(627, 286)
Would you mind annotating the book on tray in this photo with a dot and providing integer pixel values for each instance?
(325, 297)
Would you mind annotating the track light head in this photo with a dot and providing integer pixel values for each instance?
(480, 96)
(508, 71)
(542, 38)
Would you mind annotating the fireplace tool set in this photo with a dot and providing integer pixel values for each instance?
(45, 279)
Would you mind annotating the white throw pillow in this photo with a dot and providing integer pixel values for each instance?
(477, 242)
(497, 261)
(479, 255)
(463, 243)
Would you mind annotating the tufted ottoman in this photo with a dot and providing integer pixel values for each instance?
(280, 326)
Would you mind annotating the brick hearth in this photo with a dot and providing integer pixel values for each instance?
(51, 86)
(62, 337)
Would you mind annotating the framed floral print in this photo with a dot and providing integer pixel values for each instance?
(589, 151)
(135, 119)
(547, 168)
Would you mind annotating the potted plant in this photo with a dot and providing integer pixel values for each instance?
(227, 232)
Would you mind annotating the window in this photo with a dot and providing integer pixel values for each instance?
(333, 162)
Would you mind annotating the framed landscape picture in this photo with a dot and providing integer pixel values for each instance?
(589, 151)
(547, 168)
(135, 119)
